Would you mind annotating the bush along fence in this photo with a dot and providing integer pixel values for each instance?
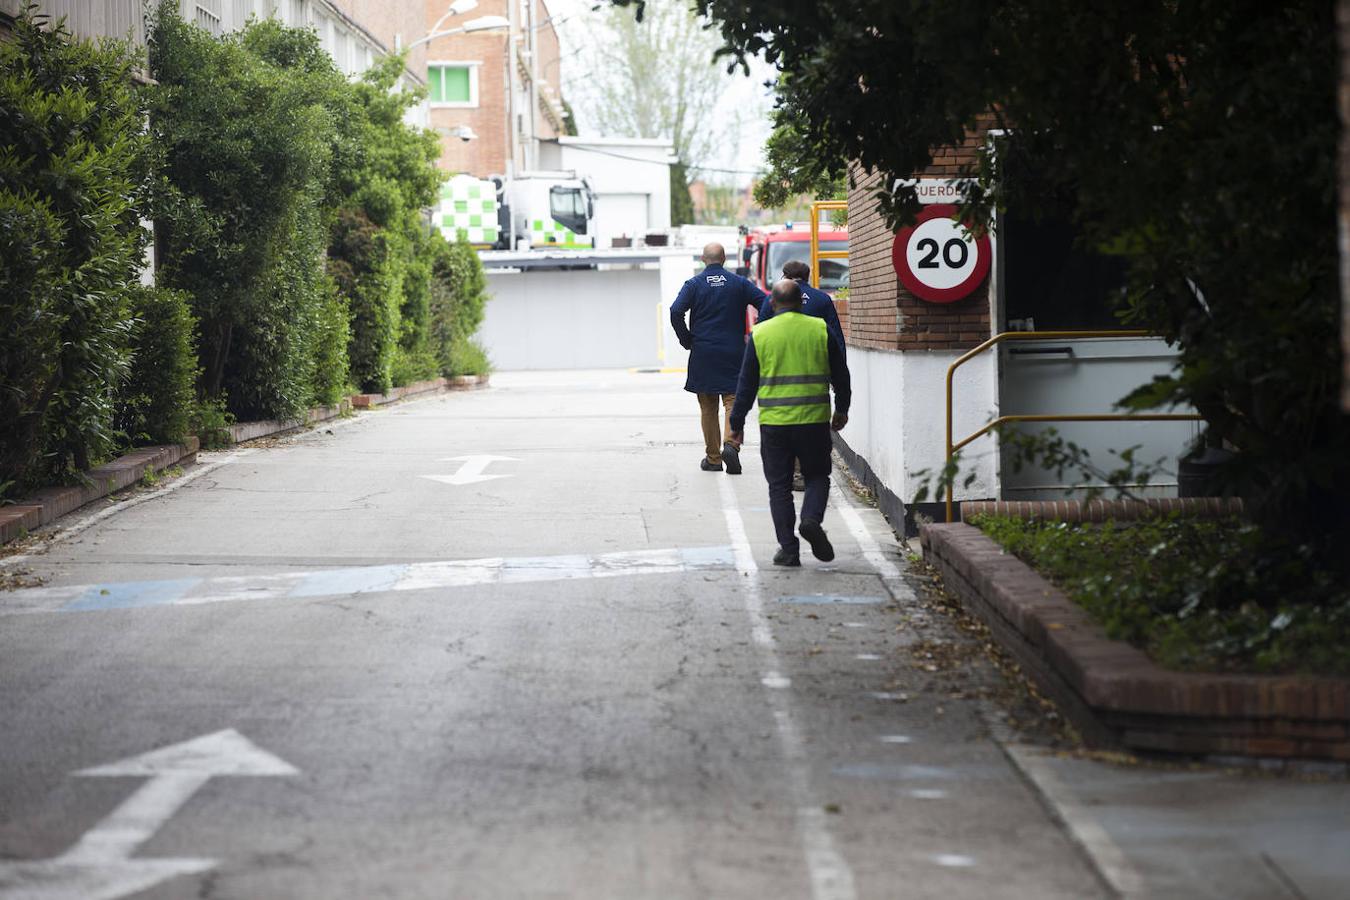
(294, 267)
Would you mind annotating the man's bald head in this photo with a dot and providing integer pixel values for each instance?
(787, 296)
(714, 255)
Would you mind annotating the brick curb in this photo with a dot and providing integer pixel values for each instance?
(249, 431)
(48, 504)
(1116, 695)
(1102, 510)
(418, 389)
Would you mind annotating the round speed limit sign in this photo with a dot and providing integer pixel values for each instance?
(937, 259)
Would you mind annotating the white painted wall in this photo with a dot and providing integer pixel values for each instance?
(1090, 379)
(579, 319)
(897, 421)
(606, 317)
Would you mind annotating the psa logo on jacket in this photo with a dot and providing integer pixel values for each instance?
(717, 280)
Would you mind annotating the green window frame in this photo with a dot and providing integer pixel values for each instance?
(453, 84)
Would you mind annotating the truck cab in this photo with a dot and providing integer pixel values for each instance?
(544, 210)
(766, 249)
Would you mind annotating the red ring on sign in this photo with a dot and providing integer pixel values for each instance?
(911, 282)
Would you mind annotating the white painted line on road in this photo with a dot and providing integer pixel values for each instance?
(100, 865)
(1061, 802)
(472, 470)
(867, 657)
(928, 794)
(831, 877)
(363, 580)
(954, 860)
(872, 552)
(776, 681)
(66, 532)
(895, 739)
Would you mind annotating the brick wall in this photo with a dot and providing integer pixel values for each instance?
(881, 314)
(487, 154)
(393, 23)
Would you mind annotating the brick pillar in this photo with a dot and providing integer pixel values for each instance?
(882, 314)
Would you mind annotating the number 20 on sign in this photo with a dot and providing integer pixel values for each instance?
(937, 258)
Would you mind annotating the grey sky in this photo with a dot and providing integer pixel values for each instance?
(747, 94)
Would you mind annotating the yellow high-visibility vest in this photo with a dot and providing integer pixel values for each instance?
(794, 369)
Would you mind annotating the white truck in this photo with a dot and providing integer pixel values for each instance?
(530, 210)
(553, 209)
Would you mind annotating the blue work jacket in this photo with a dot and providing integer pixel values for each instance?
(815, 302)
(715, 300)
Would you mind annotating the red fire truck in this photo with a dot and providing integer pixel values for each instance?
(764, 250)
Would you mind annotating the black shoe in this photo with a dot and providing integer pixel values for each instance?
(784, 558)
(821, 548)
(709, 467)
(732, 457)
(798, 482)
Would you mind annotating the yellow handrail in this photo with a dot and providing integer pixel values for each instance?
(1091, 417)
(817, 207)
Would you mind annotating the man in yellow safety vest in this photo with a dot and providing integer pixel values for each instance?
(790, 364)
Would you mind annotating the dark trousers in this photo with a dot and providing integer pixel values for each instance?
(779, 447)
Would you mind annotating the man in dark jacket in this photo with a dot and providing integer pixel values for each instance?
(815, 302)
(716, 301)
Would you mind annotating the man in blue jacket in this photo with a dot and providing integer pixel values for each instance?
(815, 302)
(716, 301)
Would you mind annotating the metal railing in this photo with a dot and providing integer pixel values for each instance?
(1049, 417)
(817, 254)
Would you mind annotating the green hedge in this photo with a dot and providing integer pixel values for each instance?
(458, 295)
(247, 128)
(155, 404)
(72, 172)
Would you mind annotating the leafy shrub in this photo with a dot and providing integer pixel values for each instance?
(384, 176)
(247, 126)
(1194, 594)
(72, 163)
(467, 357)
(331, 381)
(362, 268)
(211, 423)
(457, 297)
(413, 357)
(155, 404)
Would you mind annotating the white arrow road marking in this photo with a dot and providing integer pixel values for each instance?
(99, 866)
(472, 470)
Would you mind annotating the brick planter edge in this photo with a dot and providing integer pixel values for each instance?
(48, 504)
(1117, 696)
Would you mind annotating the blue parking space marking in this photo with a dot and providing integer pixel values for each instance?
(370, 579)
(130, 594)
(354, 580)
(708, 557)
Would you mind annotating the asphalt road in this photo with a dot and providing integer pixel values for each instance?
(581, 679)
